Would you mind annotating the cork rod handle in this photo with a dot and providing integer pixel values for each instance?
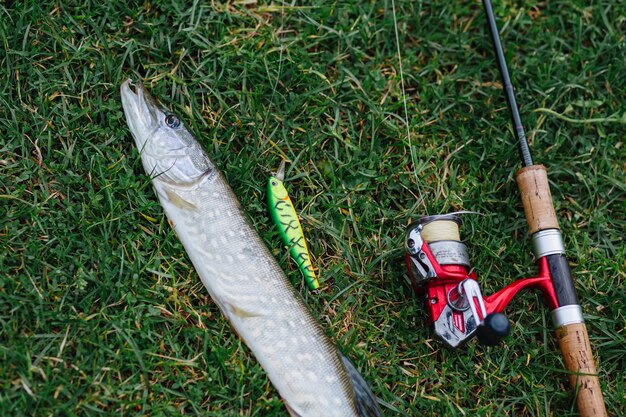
(576, 350)
(532, 182)
(573, 338)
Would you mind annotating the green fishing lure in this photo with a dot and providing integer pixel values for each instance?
(286, 220)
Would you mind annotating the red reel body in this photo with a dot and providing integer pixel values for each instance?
(440, 270)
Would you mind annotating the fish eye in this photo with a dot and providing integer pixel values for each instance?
(172, 121)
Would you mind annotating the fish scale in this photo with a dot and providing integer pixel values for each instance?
(311, 375)
(239, 286)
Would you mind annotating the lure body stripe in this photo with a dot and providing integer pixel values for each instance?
(286, 220)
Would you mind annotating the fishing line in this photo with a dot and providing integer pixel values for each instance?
(280, 67)
(441, 230)
(441, 233)
(406, 111)
(443, 226)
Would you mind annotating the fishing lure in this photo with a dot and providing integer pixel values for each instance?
(286, 220)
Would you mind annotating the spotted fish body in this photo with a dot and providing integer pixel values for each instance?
(311, 375)
(286, 220)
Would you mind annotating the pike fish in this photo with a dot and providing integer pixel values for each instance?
(313, 378)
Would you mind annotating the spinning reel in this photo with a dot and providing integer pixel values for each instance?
(439, 269)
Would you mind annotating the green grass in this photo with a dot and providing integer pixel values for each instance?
(101, 312)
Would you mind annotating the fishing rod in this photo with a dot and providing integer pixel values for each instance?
(439, 268)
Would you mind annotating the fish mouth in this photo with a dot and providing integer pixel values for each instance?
(142, 112)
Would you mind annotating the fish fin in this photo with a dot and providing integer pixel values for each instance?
(178, 201)
(366, 404)
(244, 314)
(239, 312)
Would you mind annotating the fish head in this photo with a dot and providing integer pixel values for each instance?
(169, 152)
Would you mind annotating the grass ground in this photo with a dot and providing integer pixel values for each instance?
(101, 312)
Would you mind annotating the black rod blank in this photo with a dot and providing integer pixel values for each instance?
(518, 129)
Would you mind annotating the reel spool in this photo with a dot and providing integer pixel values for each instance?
(442, 237)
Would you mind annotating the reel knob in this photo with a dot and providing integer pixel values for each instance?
(493, 329)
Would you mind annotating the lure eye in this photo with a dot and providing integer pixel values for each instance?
(172, 121)
(274, 183)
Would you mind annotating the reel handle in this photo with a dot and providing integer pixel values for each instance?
(494, 328)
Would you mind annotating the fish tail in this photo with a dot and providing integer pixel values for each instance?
(365, 401)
